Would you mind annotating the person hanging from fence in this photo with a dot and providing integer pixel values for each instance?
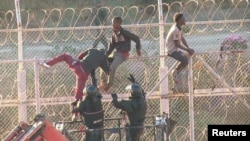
(86, 63)
(100, 19)
(93, 114)
(135, 108)
(175, 41)
(121, 45)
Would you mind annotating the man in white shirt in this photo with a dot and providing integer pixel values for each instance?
(176, 41)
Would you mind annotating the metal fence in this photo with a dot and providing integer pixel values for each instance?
(27, 88)
(114, 130)
(212, 104)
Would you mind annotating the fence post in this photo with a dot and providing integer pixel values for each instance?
(161, 32)
(191, 98)
(22, 97)
(163, 69)
(37, 85)
(21, 73)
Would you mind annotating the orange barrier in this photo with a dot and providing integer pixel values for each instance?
(41, 129)
(51, 134)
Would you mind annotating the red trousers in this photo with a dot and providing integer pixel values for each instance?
(76, 67)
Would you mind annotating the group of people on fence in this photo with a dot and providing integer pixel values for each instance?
(91, 107)
(86, 64)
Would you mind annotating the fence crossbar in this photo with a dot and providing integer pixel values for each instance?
(126, 26)
(133, 57)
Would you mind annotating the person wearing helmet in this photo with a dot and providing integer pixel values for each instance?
(136, 108)
(92, 111)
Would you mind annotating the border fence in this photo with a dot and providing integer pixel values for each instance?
(216, 91)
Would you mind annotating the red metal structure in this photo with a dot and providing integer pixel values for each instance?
(40, 130)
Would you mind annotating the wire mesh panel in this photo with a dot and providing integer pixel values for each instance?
(10, 100)
(218, 110)
(9, 80)
(232, 67)
(228, 92)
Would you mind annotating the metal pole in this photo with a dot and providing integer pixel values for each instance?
(163, 69)
(19, 27)
(191, 98)
(21, 74)
(37, 85)
(161, 32)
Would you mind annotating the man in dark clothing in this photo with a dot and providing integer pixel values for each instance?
(121, 43)
(135, 108)
(88, 61)
(92, 111)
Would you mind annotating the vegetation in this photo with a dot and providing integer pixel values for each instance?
(6, 5)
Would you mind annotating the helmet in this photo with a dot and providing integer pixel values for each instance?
(91, 91)
(135, 90)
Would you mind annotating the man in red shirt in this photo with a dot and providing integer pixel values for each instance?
(121, 45)
(86, 63)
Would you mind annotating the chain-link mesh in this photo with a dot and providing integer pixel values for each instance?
(9, 98)
(53, 31)
(231, 67)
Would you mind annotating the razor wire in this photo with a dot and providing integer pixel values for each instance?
(216, 16)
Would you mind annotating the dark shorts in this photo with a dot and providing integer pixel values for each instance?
(181, 57)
